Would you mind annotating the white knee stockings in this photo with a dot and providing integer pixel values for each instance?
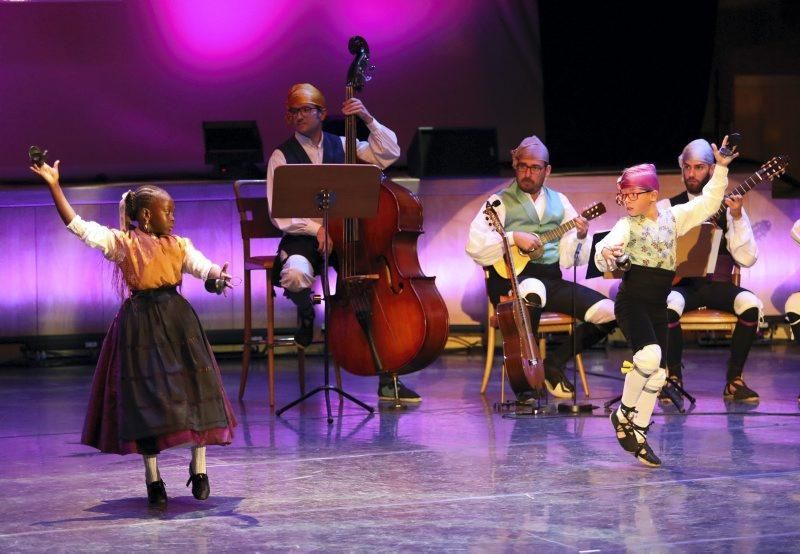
(643, 383)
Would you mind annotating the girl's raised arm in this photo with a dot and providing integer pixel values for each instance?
(51, 176)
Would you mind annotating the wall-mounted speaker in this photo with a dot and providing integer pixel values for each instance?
(453, 152)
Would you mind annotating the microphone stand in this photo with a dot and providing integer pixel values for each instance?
(574, 407)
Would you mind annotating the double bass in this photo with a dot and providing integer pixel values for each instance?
(521, 357)
(386, 315)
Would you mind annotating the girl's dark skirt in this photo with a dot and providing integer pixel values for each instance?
(157, 384)
(641, 306)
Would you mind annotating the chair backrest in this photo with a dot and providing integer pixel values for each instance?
(254, 214)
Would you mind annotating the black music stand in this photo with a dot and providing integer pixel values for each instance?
(336, 190)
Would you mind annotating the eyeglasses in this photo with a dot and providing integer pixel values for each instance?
(623, 197)
(523, 168)
(305, 110)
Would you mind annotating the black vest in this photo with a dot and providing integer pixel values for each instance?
(332, 150)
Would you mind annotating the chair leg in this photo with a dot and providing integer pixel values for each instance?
(270, 341)
(503, 384)
(248, 331)
(487, 368)
(582, 372)
(338, 373)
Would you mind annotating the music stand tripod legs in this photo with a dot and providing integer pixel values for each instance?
(324, 200)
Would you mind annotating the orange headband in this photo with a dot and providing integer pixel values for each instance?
(305, 93)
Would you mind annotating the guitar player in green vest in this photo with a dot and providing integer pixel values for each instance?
(528, 209)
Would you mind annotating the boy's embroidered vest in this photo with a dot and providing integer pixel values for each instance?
(653, 243)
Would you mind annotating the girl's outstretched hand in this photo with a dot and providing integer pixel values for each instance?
(225, 276)
(48, 173)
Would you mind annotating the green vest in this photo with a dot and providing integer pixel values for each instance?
(521, 216)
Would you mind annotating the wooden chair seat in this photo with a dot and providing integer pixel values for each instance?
(255, 263)
(708, 320)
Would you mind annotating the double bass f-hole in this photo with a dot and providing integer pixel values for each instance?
(397, 289)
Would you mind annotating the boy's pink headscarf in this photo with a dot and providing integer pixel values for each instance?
(642, 176)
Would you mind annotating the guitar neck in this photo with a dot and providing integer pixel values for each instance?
(741, 190)
(558, 232)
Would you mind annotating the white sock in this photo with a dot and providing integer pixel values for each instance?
(647, 400)
(199, 459)
(644, 409)
(151, 474)
(634, 383)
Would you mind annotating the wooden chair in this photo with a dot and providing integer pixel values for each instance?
(255, 224)
(550, 322)
(704, 319)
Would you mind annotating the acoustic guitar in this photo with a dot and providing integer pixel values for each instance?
(519, 258)
(767, 172)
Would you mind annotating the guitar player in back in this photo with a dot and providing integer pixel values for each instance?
(716, 291)
(527, 208)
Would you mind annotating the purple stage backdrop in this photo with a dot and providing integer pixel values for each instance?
(122, 88)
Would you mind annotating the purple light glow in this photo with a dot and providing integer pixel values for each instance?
(396, 25)
(213, 36)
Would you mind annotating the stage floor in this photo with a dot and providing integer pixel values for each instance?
(448, 475)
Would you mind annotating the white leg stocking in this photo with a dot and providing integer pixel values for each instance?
(199, 459)
(646, 362)
(647, 400)
(151, 474)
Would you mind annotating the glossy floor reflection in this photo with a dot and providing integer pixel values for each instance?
(450, 474)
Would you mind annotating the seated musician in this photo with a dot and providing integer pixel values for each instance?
(793, 302)
(528, 208)
(716, 291)
(300, 250)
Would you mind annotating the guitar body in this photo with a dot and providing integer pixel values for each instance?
(520, 353)
(519, 259)
(536, 254)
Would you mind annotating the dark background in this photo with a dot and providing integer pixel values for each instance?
(119, 90)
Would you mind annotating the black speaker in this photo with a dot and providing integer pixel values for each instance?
(230, 143)
(453, 152)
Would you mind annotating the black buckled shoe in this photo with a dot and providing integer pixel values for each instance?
(643, 451)
(738, 391)
(157, 493)
(405, 394)
(670, 394)
(200, 485)
(623, 425)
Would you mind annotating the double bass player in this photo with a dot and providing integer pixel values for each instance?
(300, 249)
(527, 208)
